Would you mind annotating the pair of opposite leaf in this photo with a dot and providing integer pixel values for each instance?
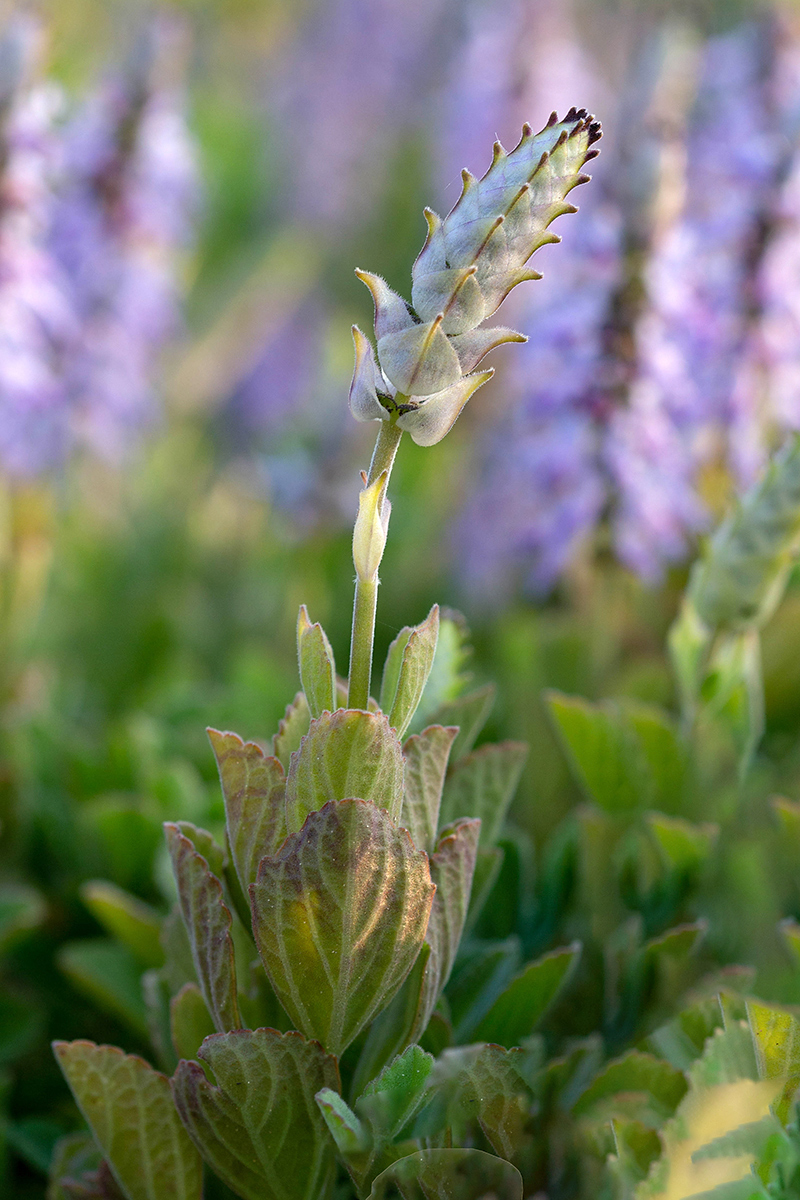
(423, 373)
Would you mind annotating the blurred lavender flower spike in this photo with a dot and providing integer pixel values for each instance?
(128, 191)
(36, 319)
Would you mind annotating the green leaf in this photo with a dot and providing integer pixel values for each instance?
(109, 975)
(635, 1072)
(447, 678)
(482, 785)
(790, 931)
(426, 756)
(469, 713)
(190, 1021)
(482, 978)
(392, 1029)
(208, 923)
(746, 1140)
(477, 1085)
(517, 1010)
(603, 752)
(487, 868)
(452, 866)
(664, 753)
(291, 730)
(353, 1139)
(347, 754)
(389, 1102)
(339, 916)
(20, 1026)
(259, 1127)
(448, 1175)
(21, 908)
(683, 846)
(408, 665)
(136, 924)
(129, 1109)
(255, 802)
(317, 667)
(205, 844)
(776, 1038)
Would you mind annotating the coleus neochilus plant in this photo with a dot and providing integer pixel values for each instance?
(360, 846)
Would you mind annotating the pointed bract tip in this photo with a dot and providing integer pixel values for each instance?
(527, 130)
(552, 119)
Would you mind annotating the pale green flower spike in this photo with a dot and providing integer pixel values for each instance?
(471, 260)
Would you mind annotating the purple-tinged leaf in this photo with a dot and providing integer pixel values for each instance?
(408, 665)
(469, 713)
(129, 1109)
(345, 754)
(259, 1127)
(448, 1175)
(317, 666)
(339, 916)
(452, 867)
(516, 1012)
(426, 755)
(208, 923)
(253, 785)
(190, 1021)
(482, 785)
(205, 844)
(291, 730)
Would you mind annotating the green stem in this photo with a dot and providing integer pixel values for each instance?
(366, 597)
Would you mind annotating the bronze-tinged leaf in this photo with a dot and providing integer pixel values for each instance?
(208, 923)
(292, 728)
(426, 756)
(448, 1175)
(482, 785)
(260, 1128)
(345, 754)
(129, 1109)
(339, 916)
(253, 785)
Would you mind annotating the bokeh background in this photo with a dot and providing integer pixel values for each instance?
(184, 193)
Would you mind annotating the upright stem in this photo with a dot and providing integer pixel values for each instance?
(366, 597)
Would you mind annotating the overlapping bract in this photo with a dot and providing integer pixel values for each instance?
(426, 351)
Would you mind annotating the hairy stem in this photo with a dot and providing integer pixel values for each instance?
(366, 596)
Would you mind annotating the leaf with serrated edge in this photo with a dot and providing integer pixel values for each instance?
(452, 867)
(482, 785)
(189, 1021)
(317, 668)
(408, 665)
(393, 1028)
(339, 916)
(345, 754)
(426, 756)
(448, 1175)
(208, 923)
(254, 789)
(389, 1102)
(259, 1127)
(469, 713)
(130, 1111)
(292, 728)
(527, 998)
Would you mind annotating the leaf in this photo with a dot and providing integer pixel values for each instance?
(129, 1109)
(776, 1039)
(791, 934)
(408, 665)
(426, 756)
(109, 975)
(477, 1085)
(447, 678)
(635, 1072)
(603, 752)
(190, 1021)
(347, 754)
(684, 846)
(21, 908)
(205, 844)
(482, 785)
(291, 730)
(480, 980)
(208, 923)
(136, 924)
(662, 749)
(392, 1029)
(448, 1175)
(253, 785)
(469, 713)
(339, 916)
(259, 1127)
(317, 667)
(389, 1102)
(452, 866)
(518, 1009)
(487, 868)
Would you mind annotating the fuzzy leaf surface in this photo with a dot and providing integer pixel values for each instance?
(189, 1021)
(482, 785)
(291, 730)
(259, 1127)
(392, 1030)
(469, 712)
(408, 665)
(448, 677)
(129, 1109)
(518, 1009)
(317, 667)
(345, 754)
(448, 1175)
(426, 756)
(208, 923)
(339, 916)
(253, 785)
